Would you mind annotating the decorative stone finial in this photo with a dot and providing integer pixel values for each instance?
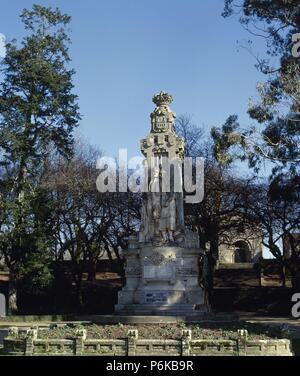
(162, 99)
(13, 331)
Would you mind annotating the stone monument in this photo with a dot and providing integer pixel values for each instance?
(162, 261)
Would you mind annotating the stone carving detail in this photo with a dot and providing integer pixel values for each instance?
(133, 270)
(191, 239)
(133, 242)
(162, 212)
(156, 258)
(162, 118)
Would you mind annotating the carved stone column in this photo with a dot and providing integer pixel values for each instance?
(162, 271)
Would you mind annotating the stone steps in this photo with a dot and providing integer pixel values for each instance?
(163, 309)
(161, 313)
(163, 306)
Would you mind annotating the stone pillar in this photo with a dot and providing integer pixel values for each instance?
(162, 219)
(79, 341)
(132, 337)
(242, 341)
(31, 335)
(186, 336)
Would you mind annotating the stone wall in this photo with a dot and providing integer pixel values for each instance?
(132, 345)
(251, 242)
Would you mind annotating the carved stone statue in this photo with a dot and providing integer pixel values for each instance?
(162, 212)
(167, 223)
(162, 269)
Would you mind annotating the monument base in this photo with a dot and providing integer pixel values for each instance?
(162, 280)
(161, 310)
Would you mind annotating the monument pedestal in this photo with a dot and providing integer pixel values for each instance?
(162, 280)
(162, 263)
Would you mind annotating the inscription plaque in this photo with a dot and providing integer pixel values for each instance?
(156, 297)
(162, 271)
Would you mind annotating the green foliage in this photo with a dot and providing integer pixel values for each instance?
(278, 110)
(275, 204)
(36, 275)
(224, 139)
(38, 113)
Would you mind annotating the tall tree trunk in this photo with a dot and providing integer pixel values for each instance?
(92, 270)
(79, 297)
(214, 247)
(283, 275)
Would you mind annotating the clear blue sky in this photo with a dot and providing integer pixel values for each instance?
(124, 51)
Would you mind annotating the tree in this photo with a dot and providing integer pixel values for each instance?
(278, 110)
(221, 211)
(191, 134)
(86, 224)
(38, 112)
(277, 209)
(277, 113)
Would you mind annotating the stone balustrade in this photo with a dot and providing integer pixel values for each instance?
(30, 344)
